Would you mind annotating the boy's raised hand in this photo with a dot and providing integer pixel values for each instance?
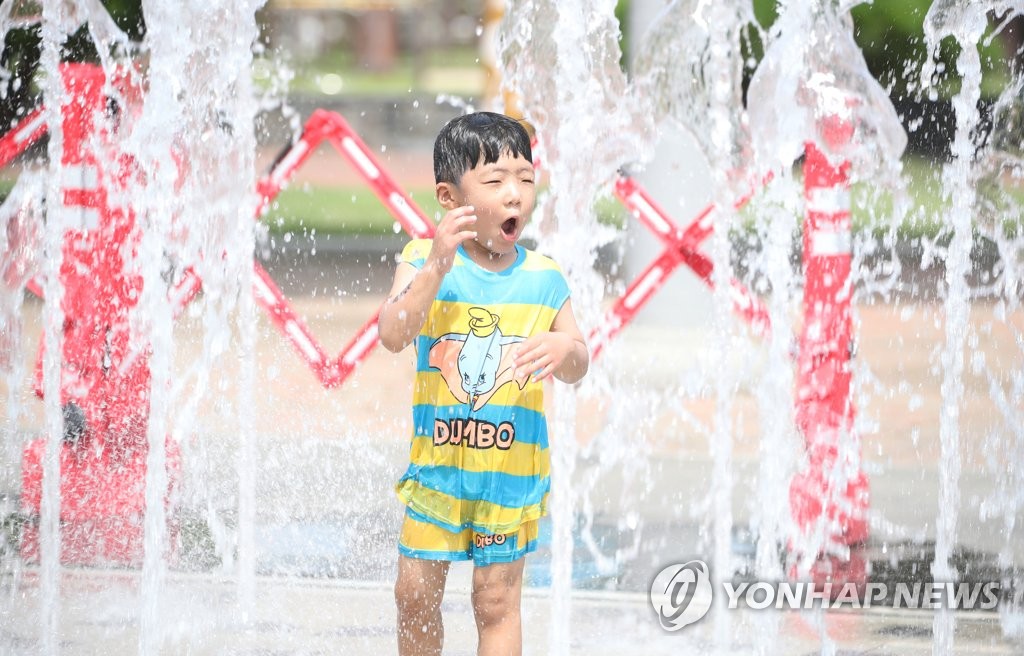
(413, 290)
(560, 352)
(543, 354)
(451, 231)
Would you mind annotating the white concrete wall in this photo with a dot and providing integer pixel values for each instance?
(677, 178)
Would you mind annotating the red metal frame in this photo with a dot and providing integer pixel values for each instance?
(105, 377)
(831, 488)
(321, 126)
(823, 406)
(28, 131)
(681, 247)
(333, 128)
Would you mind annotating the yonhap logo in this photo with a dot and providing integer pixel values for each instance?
(681, 594)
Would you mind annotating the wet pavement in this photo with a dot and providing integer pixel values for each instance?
(200, 614)
(326, 519)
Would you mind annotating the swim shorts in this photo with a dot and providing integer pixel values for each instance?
(427, 541)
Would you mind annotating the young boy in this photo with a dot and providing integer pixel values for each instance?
(490, 321)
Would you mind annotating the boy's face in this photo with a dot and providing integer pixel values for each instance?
(503, 195)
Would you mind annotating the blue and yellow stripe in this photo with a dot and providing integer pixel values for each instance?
(451, 489)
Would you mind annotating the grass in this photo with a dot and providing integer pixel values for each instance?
(874, 206)
(357, 211)
(337, 210)
(453, 70)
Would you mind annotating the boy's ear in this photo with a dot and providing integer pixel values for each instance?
(447, 195)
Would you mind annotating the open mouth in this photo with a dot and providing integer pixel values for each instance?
(508, 227)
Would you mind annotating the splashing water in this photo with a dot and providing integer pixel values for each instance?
(49, 506)
(813, 59)
(967, 25)
(22, 216)
(970, 25)
(562, 58)
(591, 105)
(209, 114)
(191, 120)
(1000, 172)
(683, 72)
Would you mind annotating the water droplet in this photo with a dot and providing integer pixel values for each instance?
(331, 84)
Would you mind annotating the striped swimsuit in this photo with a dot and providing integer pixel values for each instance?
(478, 477)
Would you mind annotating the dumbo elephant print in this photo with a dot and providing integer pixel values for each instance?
(476, 364)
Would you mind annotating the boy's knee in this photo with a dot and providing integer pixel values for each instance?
(414, 595)
(494, 605)
(491, 605)
(496, 598)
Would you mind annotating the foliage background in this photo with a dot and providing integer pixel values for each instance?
(890, 33)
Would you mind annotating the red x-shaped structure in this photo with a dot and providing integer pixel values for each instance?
(823, 407)
(335, 130)
(321, 126)
(681, 245)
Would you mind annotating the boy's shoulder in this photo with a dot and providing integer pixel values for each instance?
(535, 261)
(416, 251)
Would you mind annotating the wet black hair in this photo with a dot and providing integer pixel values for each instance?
(464, 140)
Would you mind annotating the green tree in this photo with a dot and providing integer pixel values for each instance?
(891, 36)
(22, 48)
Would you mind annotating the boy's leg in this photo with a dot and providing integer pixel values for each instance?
(497, 595)
(418, 593)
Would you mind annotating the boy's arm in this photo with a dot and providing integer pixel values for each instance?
(413, 291)
(561, 351)
(405, 310)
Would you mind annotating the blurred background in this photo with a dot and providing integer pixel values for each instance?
(343, 51)
(398, 69)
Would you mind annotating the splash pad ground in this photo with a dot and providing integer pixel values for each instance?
(303, 616)
(326, 519)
